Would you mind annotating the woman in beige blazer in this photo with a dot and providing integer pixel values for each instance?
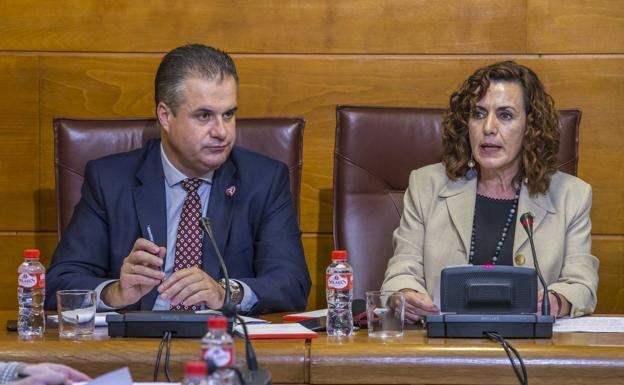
(500, 144)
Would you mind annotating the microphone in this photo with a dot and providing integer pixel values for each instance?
(527, 224)
(254, 374)
(228, 309)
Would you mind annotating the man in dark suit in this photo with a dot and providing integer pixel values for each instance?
(135, 236)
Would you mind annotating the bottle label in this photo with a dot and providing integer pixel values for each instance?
(340, 281)
(31, 280)
(222, 357)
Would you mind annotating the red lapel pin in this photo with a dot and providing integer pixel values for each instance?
(230, 191)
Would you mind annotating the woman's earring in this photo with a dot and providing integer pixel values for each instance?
(471, 173)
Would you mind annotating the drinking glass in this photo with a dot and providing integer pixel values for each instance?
(385, 311)
(76, 312)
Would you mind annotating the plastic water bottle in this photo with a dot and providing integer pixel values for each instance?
(339, 295)
(30, 295)
(196, 373)
(218, 346)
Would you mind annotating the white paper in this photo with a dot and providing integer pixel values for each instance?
(308, 314)
(284, 329)
(134, 383)
(590, 325)
(209, 311)
(118, 377)
(253, 321)
(100, 318)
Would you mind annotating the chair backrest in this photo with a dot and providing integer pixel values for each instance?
(375, 150)
(77, 141)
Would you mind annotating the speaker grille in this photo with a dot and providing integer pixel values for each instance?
(488, 290)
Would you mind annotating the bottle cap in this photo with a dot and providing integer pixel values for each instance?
(217, 323)
(339, 255)
(31, 253)
(195, 368)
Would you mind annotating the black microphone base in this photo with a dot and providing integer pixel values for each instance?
(476, 325)
(156, 323)
(256, 377)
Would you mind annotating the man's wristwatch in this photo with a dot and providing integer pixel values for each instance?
(236, 290)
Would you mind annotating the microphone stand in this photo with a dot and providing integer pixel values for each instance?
(527, 223)
(228, 309)
(256, 375)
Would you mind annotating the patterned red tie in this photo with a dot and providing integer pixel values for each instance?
(188, 248)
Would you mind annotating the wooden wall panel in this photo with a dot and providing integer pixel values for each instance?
(12, 247)
(597, 87)
(309, 87)
(317, 248)
(610, 251)
(19, 139)
(312, 86)
(88, 87)
(580, 26)
(322, 26)
(88, 58)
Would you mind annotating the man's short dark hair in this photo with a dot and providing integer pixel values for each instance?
(191, 60)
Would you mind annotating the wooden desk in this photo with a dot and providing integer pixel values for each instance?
(570, 358)
(285, 359)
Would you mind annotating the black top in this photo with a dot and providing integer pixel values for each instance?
(490, 217)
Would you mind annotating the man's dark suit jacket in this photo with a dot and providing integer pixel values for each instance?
(256, 228)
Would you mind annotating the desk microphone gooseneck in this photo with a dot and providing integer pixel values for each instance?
(527, 223)
(254, 375)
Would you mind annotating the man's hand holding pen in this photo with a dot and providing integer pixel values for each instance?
(141, 271)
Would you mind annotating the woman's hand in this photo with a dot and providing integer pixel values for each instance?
(558, 308)
(418, 305)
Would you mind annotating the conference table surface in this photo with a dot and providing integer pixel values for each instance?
(567, 358)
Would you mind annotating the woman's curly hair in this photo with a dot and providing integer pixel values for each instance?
(541, 139)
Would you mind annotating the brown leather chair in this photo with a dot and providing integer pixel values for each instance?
(376, 148)
(76, 141)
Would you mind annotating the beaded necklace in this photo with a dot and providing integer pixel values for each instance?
(501, 241)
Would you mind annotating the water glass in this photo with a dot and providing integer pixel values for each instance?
(385, 311)
(76, 312)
